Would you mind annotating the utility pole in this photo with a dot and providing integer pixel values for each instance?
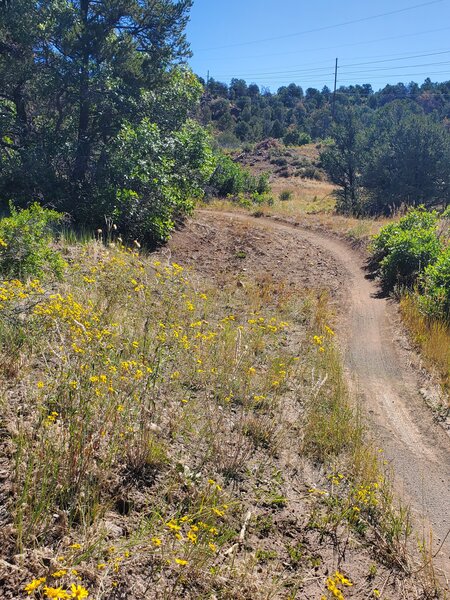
(335, 85)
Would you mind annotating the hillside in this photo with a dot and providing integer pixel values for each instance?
(184, 430)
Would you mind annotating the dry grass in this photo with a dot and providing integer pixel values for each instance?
(307, 196)
(155, 428)
(432, 337)
(311, 203)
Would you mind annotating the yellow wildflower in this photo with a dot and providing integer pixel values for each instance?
(192, 537)
(59, 574)
(78, 592)
(172, 524)
(57, 593)
(33, 585)
(156, 541)
(343, 580)
(181, 562)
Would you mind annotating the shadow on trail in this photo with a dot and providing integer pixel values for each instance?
(371, 269)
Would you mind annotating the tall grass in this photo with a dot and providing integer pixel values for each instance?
(431, 335)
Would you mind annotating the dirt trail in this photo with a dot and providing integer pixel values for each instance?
(387, 387)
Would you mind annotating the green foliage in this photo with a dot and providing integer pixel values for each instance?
(294, 137)
(164, 174)
(231, 179)
(435, 300)
(342, 161)
(405, 249)
(25, 239)
(404, 160)
(88, 88)
(244, 112)
(285, 195)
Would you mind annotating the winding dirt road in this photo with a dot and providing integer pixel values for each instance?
(387, 388)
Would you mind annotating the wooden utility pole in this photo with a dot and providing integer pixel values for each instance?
(335, 85)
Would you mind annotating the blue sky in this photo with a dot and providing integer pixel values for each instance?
(276, 42)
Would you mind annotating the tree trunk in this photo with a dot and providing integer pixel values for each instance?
(83, 142)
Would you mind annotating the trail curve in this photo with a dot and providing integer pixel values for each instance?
(388, 390)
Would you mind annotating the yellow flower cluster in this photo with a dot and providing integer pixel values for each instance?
(366, 495)
(198, 530)
(333, 583)
(319, 340)
(76, 592)
(14, 291)
(272, 325)
(82, 321)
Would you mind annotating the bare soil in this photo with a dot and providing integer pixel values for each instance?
(385, 383)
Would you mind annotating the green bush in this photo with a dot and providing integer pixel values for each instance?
(304, 138)
(285, 195)
(405, 249)
(231, 179)
(25, 239)
(296, 138)
(435, 299)
(164, 174)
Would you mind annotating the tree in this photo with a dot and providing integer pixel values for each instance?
(76, 75)
(342, 161)
(407, 160)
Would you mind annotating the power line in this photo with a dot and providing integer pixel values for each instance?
(433, 64)
(365, 42)
(366, 75)
(373, 62)
(423, 74)
(324, 28)
(299, 70)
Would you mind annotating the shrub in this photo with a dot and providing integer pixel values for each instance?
(304, 138)
(403, 250)
(285, 195)
(25, 238)
(157, 178)
(296, 138)
(231, 179)
(280, 162)
(436, 285)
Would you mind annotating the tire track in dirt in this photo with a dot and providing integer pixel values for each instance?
(386, 387)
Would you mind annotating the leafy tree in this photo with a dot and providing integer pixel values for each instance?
(405, 249)
(163, 174)
(78, 76)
